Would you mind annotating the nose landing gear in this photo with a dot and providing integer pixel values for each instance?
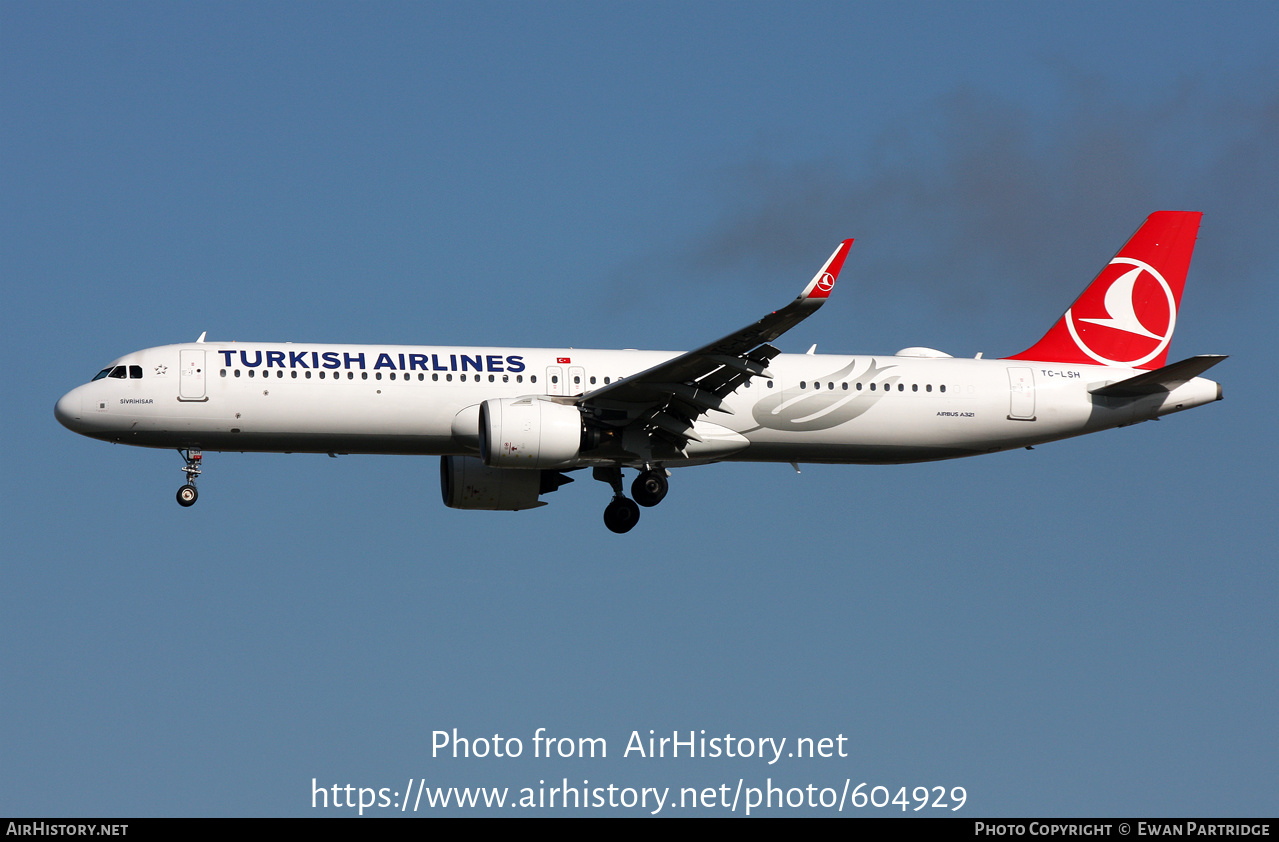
(187, 495)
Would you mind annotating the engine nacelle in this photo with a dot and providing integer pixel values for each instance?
(467, 483)
(529, 433)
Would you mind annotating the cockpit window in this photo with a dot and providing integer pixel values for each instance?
(135, 372)
(103, 373)
(118, 371)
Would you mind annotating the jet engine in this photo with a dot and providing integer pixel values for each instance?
(467, 483)
(529, 433)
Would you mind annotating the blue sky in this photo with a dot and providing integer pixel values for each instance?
(1085, 629)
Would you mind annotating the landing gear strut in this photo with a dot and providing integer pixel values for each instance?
(187, 494)
(622, 514)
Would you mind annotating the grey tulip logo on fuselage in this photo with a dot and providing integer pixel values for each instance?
(820, 407)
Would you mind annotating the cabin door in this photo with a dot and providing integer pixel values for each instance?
(191, 382)
(1021, 394)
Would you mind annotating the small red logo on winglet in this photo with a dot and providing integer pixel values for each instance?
(824, 281)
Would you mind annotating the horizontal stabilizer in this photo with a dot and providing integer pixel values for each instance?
(1160, 380)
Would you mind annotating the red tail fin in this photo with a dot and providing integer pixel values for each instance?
(1127, 315)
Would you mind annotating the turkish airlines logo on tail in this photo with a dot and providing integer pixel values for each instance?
(1128, 321)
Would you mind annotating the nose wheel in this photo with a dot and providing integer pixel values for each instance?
(187, 495)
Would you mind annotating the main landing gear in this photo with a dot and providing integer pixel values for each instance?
(649, 489)
(187, 495)
(621, 515)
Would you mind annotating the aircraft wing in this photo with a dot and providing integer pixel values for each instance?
(669, 397)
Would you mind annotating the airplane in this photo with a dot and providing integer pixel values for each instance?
(509, 424)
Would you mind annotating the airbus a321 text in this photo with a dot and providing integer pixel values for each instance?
(510, 423)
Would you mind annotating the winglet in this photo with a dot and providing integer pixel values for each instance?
(824, 281)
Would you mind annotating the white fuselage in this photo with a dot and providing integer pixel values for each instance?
(299, 397)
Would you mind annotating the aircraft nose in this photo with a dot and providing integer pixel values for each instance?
(67, 409)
